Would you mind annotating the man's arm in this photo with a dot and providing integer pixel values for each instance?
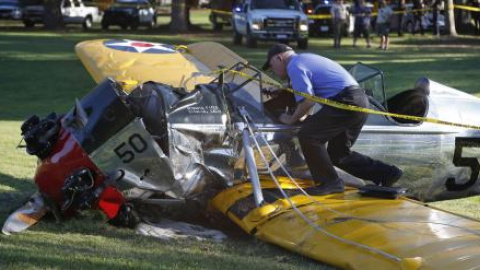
(300, 111)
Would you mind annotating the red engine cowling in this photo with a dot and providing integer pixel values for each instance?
(65, 158)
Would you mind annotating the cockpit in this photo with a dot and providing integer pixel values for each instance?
(244, 85)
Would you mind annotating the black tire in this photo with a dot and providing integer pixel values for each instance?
(302, 43)
(87, 23)
(28, 23)
(251, 41)
(134, 26)
(153, 23)
(105, 26)
(124, 26)
(237, 38)
(217, 26)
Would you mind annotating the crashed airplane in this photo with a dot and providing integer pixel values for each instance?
(178, 130)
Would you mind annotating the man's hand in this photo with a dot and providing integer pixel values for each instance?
(286, 119)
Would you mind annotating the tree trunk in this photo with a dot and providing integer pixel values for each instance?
(450, 19)
(179, 22)
(53, 15)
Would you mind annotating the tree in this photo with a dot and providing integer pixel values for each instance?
(53, 15)
(179, 21)
(180, 17)
(450, 19)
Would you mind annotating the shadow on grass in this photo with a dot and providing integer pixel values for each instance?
(21, 189)
(136, 252)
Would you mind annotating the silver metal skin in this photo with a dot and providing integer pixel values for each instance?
(207, 148)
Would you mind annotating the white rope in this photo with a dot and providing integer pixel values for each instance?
(306, 219)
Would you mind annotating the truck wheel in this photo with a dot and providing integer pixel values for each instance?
(302, 43)
(251, 41)
(237, 38)
(29, 23)
(124, 26)
(134, 25)
(87, 23)
(105, 26)
(217, 26)
(153, 23)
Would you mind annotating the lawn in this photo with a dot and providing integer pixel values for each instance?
(41, 73)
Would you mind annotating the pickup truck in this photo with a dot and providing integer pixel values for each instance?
(73, 12)
(278, 20)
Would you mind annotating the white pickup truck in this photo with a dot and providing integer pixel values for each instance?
(73, 12)
(278, 20)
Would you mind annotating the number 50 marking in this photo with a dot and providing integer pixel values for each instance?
(126, 150)
(460, 161)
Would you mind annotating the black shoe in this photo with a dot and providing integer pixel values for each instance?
(391, 178)
(336, 186)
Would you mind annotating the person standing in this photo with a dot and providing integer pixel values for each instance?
(383, 24)
(339, 18)
(476, 15)
(436, 4)
(337, 128)
(401, 8)
(418, 16)
(362, 15)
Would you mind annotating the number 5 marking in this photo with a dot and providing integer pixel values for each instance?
(460, 161)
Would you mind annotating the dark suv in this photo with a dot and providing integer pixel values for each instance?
(130, 13)
(322, 26)
(10, 10)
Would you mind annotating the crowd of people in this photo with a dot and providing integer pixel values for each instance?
(380, 15)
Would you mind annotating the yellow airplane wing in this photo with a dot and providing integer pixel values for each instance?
(132, 62)
(352, 231)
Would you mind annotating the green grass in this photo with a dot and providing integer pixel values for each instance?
(40, 73)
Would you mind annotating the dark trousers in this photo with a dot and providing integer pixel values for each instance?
(436, 29)
(400, 25)
(340, 129)
(338, 26)
(417, 18)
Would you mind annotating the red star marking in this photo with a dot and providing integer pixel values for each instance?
(141, 44)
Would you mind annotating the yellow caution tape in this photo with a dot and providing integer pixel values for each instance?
(467, 8)
(352, 107)
(220, 11)
(374, 14)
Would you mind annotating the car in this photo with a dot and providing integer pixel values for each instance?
(408, 20)
(11, 10)
(427, 22)
(130, 13)
(281, 21)
(149, 142)
(73, 12)
(322, 25)
(220, 13)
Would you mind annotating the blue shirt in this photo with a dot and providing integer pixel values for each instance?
(317, 75)
(362, 15)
